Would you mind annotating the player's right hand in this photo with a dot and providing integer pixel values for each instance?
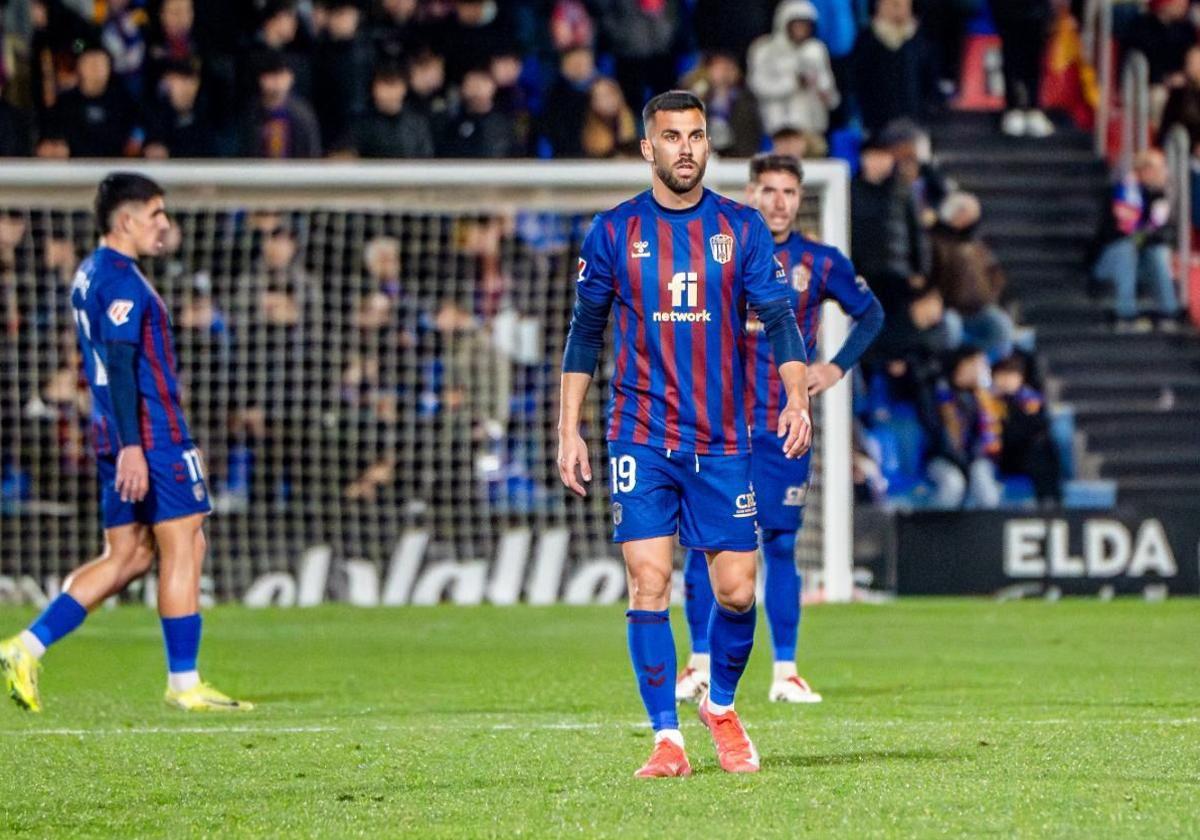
(133, 475)
(573, 463)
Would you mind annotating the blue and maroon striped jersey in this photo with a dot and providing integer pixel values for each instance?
(681, 280)
(114, 302)
(814, 272)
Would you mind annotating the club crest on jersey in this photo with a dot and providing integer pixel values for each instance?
(582, 269)
(118, 311)
(618, 513)
(801, 275)
(639, 250)
(722, 247)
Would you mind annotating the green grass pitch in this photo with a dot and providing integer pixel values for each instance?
(942, 718)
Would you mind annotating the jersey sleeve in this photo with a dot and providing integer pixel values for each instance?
(123, 303)
(847, 288)
(762, 274)
(596, 281)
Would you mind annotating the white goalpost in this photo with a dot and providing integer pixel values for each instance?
(368, 351)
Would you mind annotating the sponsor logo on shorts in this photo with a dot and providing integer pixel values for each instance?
(198, 491)
(618, 513)
(794, 496)
(745, 506)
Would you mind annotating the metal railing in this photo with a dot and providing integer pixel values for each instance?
(1135, 108)
(1097, 48)
(1179, 162)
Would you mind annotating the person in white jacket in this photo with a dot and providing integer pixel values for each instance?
(789, 72)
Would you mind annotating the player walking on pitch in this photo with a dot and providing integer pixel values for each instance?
(815, 272)
(680, 263)
(153, 493)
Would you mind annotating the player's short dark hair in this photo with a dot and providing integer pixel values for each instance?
(120, 188)
(775, 162)
(672, 100)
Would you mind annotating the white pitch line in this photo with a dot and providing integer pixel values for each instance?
(572, 726)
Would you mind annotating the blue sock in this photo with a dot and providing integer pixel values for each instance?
(782, 586)
(730, 637)
(652, 649)
(697, 599)
(61, 616)
(182, 638)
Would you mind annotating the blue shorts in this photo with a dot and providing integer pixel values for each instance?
(177, 488)
(780, 484)
(707, 499)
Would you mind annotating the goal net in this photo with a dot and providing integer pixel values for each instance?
(369, 357)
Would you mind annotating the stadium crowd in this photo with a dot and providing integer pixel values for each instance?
(565, 79)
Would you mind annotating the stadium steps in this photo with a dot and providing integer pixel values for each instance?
(1136, 398)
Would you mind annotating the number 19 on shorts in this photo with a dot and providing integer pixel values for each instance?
(623, 469)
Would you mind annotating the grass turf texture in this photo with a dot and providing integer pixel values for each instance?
(941, 718)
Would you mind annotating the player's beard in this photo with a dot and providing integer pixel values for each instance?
(677, 183)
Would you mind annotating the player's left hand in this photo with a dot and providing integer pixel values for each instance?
(133, 474)
(822, 376)
(795, 426)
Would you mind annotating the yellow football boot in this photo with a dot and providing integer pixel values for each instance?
(19, 668)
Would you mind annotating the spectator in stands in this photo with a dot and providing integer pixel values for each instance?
(57, 32)
(945, 23)
(967, 438)
(1135, 249)
(571, 26)
(734, 127)
(730, 26)
(1026, 446)
(1183, 101)
(512, 96)
(642, 37)
(51, 143)
(790, 73)
(609, 128)
(281, 30)
(894, 69)
(909, 352)
(280, 125)
(1163, 34)
(909, 146)
(387, 304)
(15, 134)
(969, 277)
(341, 67)
(885, 235)
(179, 125)
(475, 31)
(391, 130)
(124, 37)
(428, 94)
(1022, 25)
(798, 144)
(392, 28)
(172, 39)
(98, 117)
(479, 130)
(567, 103)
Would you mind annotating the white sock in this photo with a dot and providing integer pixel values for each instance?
(717, 709)
(183, 680)
(784, 670)
(33, 643)
(701, 662)
(672, 735)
